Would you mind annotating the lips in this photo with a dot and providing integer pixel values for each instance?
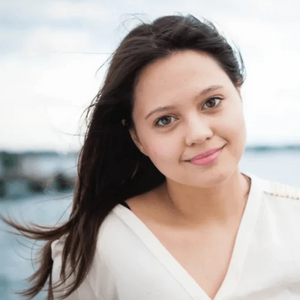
(206, 153)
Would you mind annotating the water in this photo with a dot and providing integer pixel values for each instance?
(16, 252)
(15, 263)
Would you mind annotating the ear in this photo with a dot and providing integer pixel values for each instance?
(239, 86)
(136, 140)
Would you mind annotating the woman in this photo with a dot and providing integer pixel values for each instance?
(161, 210)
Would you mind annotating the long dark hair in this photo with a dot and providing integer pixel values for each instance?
(101, 183)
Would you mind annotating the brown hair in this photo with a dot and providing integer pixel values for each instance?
(101, 183)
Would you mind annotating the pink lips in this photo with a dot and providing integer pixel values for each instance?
(206, 157)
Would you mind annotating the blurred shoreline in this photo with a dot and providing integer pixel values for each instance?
(34, 172)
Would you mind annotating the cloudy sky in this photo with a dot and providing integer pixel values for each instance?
(50, 53)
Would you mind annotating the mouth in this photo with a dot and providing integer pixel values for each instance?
(206, 153)
(207, 157)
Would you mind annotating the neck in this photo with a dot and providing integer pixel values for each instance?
(222, 204)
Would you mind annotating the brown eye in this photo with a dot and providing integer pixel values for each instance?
(164, 121)
(211, 102)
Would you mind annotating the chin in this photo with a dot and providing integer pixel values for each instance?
(209, 178)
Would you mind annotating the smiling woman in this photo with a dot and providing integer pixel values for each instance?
(161, 210)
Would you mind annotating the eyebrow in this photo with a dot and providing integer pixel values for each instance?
(169, 107)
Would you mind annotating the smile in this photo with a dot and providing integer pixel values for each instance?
(204, 161)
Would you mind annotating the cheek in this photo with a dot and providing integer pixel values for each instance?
(233, 120)
(162, 149)
(235, 129)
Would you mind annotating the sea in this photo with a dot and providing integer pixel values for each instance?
(16, 253)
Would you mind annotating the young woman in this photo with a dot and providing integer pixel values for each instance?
(161, 210)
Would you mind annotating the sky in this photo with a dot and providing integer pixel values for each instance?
(51, 52)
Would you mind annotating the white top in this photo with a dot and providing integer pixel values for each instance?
(131, 263)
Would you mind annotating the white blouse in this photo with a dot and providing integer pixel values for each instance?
(132, 264)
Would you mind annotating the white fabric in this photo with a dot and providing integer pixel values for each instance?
(131, 263)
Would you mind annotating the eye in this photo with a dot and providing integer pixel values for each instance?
(164, 121)
(211, 102)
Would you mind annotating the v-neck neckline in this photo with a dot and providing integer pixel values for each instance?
(167, 260)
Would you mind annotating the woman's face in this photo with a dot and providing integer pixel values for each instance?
(186, 104)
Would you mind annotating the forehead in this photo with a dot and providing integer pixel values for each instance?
(182, 75)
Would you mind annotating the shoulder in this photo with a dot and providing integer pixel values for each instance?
(278, 220)
(118, 231)
(274, 189)
(281, 200)
(99, 283)
(113, 226)
(113, 230)
(282, 190)
(276, 198)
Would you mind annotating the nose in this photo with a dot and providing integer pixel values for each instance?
(198, 130)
